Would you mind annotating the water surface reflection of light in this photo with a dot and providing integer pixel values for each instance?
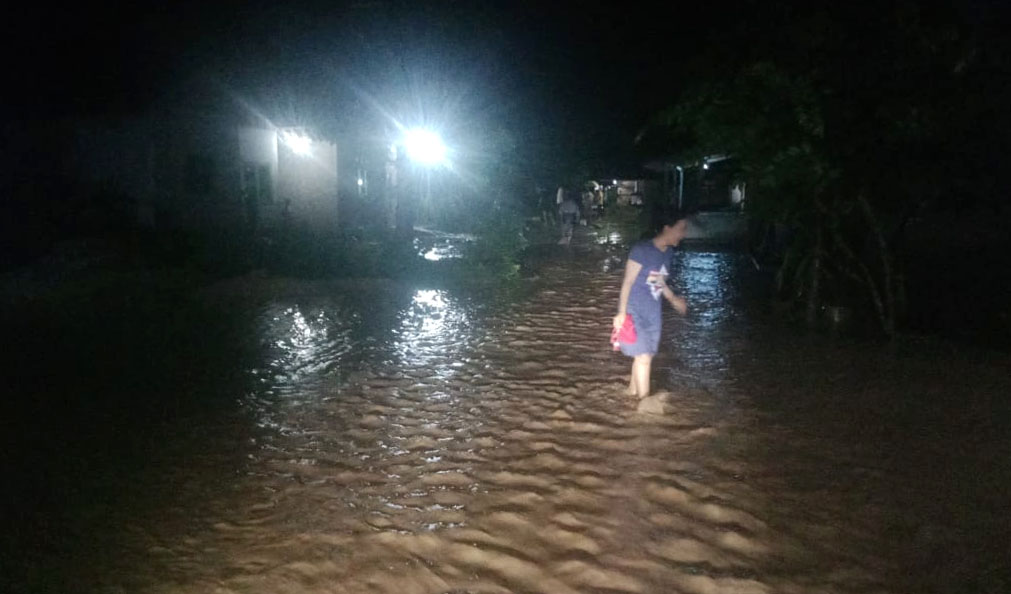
(303, 346)
(612, 238)
(707, 281)
(431, 332)
(299, 348)
(432, 306)
(439, 247)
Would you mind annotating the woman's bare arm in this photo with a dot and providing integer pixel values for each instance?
(678, 303)
(632, 269)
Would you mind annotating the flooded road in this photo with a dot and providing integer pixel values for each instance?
(432, 441)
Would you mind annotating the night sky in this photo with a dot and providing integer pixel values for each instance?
(583, 76)
(575, 77)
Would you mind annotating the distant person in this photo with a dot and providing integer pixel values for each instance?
(560, 196)
(569, 212)
(645, 281)
(587, 207)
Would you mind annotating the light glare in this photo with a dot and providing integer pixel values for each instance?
(424, 146)
(300, 145)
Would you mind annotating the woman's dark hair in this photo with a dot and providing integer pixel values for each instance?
(666, 217)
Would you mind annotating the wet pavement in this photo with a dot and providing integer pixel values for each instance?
(427, 440)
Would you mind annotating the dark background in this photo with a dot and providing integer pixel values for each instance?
(572, 79)
(579, 76)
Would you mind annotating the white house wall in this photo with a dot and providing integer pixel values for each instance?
(147, 160)
(309, 182)
(259, 147)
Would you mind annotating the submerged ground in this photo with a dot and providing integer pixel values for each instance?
(378, 437)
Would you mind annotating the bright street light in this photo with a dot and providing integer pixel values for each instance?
(300, 145)
(424, 146)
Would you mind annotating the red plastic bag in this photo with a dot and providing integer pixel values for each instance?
(626, 334)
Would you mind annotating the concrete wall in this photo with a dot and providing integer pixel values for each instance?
(309, 182)
(259, 146)
(193, 173)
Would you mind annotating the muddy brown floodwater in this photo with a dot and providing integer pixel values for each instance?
(476, 447)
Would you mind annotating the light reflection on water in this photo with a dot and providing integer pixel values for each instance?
(429, 308)
(306, 344)
(432, 332)
(302, 344)
(435, 246)
(706, 278)
(610, 238)
(435, 254)
(700, 341)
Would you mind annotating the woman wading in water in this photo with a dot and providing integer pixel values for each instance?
(645, 282)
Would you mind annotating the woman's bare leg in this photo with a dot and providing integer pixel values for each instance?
(640, 374)
(631, 391)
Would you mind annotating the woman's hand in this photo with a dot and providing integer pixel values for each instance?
(678, 303)
(618, 321)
